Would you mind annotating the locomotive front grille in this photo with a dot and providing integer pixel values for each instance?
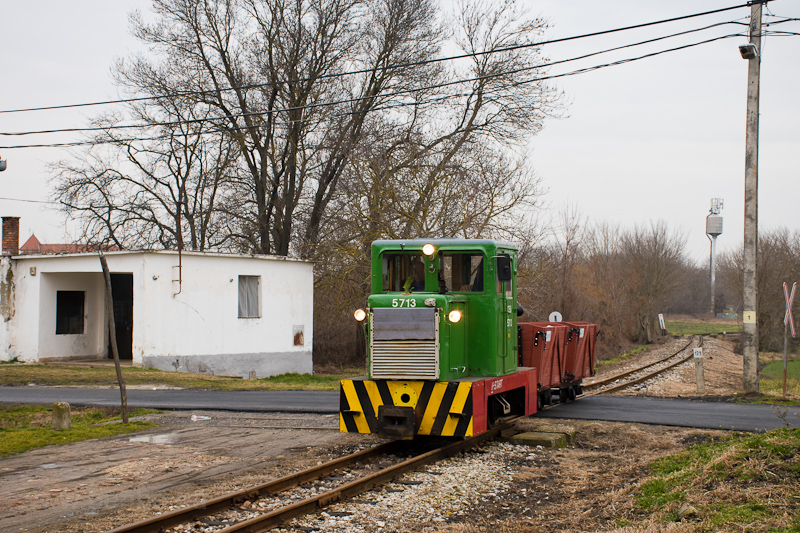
(404, 343)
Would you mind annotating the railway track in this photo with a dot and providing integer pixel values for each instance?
(640, 374)
(254, 509)
(260, 508)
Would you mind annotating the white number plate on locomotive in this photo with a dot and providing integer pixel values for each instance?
(404, 302)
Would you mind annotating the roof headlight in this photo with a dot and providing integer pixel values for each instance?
(454, 316)
(428, 250)
(360, 315)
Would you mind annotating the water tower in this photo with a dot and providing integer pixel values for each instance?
(714, 230)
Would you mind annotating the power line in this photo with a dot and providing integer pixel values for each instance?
(389, 67)
(531, 80)
(26, 200)
(354, 100)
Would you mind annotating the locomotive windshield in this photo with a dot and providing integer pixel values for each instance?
(399, 269)
(462, 272)
(458, 272)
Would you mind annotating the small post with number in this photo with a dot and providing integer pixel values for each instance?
(788, 322)
(698, 366)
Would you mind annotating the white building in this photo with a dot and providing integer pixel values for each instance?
(220, 314)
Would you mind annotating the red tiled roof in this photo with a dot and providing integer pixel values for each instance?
(33, 246)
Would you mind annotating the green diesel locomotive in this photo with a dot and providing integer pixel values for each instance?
(441, 330)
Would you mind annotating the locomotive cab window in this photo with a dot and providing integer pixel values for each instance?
(401, 269)
(462, 272)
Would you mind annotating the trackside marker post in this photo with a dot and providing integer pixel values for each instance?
(788, 322)
(698, 367)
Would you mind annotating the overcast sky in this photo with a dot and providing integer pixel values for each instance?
(650, 140)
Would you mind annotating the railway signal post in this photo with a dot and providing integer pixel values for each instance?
(788, 322)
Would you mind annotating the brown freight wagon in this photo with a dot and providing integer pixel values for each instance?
(563, 353)
(580, 355)
(542, 345)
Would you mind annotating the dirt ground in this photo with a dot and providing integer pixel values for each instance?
(722, 371)
(97, 485)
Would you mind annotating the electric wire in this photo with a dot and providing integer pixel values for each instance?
(26, 200)
(354, 100)
(407, 91)
(388, 67)
(391, 106)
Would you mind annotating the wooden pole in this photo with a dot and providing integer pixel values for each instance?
(112, 333)
(750, 295)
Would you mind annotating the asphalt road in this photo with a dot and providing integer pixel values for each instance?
(671, 412)
(668, 412)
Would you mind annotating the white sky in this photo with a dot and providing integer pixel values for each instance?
(651, 140)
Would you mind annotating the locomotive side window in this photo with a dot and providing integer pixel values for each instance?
(462, 272)
(401, 268)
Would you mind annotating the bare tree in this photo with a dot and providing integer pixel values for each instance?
(444, 164)
(778, 262)
(293, 83)
(300, 87)
(653, 258)
(604, 287)
(149, 193)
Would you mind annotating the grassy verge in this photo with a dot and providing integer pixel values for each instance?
(743, 483)
(24, 428)
(638, 349)
(22, 374)
(701, 328)
(771, 383)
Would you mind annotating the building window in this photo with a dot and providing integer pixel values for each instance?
(69, 312)
(249, 301)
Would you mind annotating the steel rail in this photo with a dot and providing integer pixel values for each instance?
(645, 377)
(279, 516)
(159, 523)
(600, 382)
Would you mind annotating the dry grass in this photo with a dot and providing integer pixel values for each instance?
(634, 478)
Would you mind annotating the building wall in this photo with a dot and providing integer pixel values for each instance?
(188, 326)
(33, 329)
(92, 343)
(197, 329)
(7, 307)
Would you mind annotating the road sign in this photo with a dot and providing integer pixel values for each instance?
(788, 320)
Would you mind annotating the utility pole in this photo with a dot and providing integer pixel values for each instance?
(752, 53)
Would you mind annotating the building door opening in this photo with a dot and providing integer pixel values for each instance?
(122, 293)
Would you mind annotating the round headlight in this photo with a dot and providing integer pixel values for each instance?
(428, 250)
(454, 316)
(360, 314)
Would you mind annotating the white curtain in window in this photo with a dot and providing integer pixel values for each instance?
(248, 296)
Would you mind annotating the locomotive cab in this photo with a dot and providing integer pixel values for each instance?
(440, 325)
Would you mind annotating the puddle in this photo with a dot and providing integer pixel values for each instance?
(165, 438)
(47, 466)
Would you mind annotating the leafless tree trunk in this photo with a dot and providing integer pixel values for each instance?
(112, 334)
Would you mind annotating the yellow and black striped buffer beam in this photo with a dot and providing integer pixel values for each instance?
(440, 408)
